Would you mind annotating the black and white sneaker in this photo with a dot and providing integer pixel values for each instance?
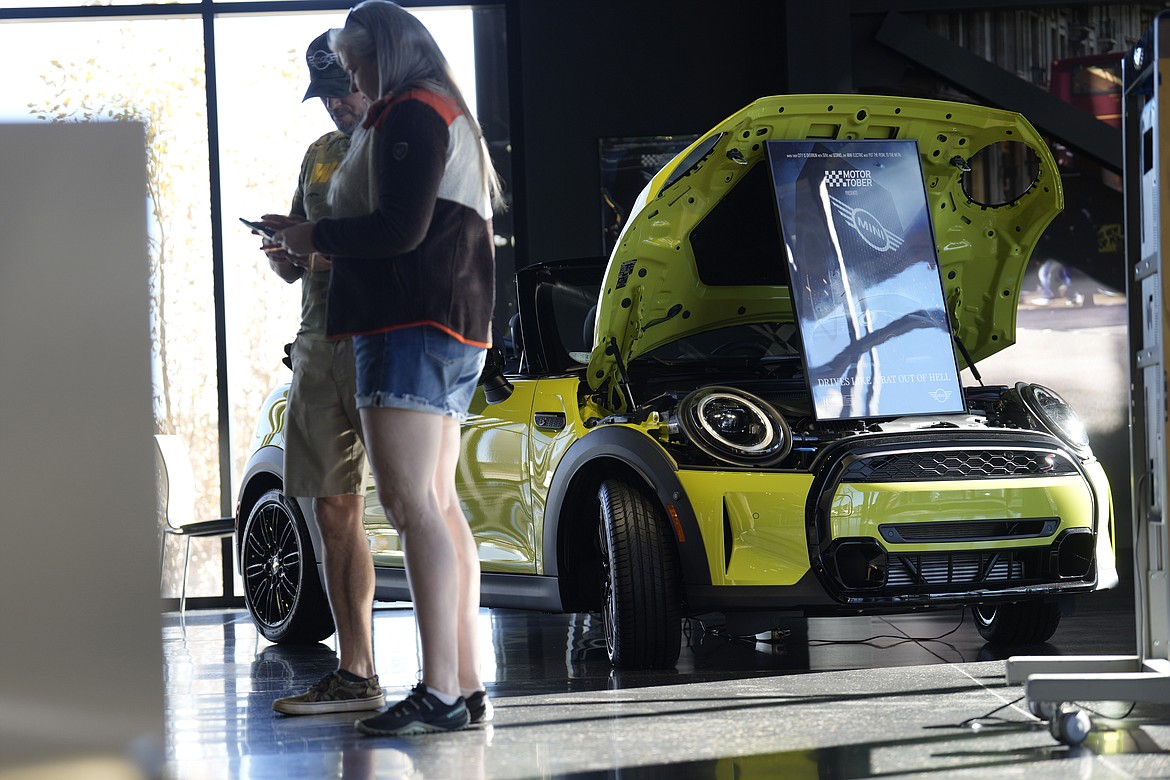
(480, 708)
(419, 713)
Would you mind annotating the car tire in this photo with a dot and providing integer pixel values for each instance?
(282, 589)
(641, 607)
(1024, 623)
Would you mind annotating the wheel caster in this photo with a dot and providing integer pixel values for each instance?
(1069, 726)
(1043, 710)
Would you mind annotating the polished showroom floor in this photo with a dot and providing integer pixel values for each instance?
(907, 696)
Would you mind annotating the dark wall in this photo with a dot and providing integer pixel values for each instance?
(584, 71)
(578, 72)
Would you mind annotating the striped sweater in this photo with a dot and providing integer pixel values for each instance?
(410, 237)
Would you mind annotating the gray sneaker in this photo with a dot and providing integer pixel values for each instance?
(334, 693)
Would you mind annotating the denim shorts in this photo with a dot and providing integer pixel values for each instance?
(419, 368)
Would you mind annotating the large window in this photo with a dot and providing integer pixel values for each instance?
(142, 63)
(150, 71)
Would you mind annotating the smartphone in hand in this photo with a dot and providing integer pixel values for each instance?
(267, 231)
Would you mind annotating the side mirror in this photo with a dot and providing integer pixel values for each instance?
(496, 388)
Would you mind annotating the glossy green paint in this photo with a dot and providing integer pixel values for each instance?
(385, 546)
(1106, 532)
(1100, 482)
(762, 516)
(492, 483)
(765, 515)
(859, 509)
(491, 480)
(983, 251)
(507, 465)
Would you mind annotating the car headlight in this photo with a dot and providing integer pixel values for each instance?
(734, 426)
(1055, 415)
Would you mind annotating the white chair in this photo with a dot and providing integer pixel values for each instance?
(176, 486)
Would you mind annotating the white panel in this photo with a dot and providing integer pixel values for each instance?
(81, 660)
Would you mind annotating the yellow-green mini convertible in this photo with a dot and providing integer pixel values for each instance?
(757, 405)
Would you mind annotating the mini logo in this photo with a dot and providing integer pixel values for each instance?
(940, 395)
(871, 230)
(399, 151)
(321, 59)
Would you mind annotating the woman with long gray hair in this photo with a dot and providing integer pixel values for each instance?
(413, 283)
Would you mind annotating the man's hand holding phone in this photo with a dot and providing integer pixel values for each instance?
(289, 266)
(259, 227)
(281, 262)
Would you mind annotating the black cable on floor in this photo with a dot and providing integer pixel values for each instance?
(718, 632)
(903, 639)
(975, 722)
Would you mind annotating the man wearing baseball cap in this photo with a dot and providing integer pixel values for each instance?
(323, 454)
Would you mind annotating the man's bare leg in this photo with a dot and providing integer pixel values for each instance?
(349, 579)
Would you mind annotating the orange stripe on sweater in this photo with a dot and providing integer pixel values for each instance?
(458, 337)
(444, 107)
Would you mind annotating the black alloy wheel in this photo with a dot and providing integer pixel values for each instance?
(281, 586)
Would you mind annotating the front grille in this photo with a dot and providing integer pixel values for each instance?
(956, 464)
(979, 530)
(879, 568)
(930, 571)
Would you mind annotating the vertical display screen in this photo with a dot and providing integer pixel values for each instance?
(865, 279)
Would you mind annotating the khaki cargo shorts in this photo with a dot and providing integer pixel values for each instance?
(323, 452)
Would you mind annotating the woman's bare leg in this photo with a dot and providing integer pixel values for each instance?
(466, 552)
(404, 447)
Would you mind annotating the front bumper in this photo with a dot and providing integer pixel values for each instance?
(895, 522)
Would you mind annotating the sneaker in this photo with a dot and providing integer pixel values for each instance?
(419, 713)
(334, 693)
(480, 708)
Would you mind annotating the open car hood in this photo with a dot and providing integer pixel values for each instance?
(702, 250)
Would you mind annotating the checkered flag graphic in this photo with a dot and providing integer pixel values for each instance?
(835, 179)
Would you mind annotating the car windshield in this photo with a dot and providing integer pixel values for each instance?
(756, 342)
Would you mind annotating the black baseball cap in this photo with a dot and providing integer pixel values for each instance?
(326, 76)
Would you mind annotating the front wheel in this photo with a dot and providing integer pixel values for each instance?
(281, 586)
(642, 610)
(1024, 623)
